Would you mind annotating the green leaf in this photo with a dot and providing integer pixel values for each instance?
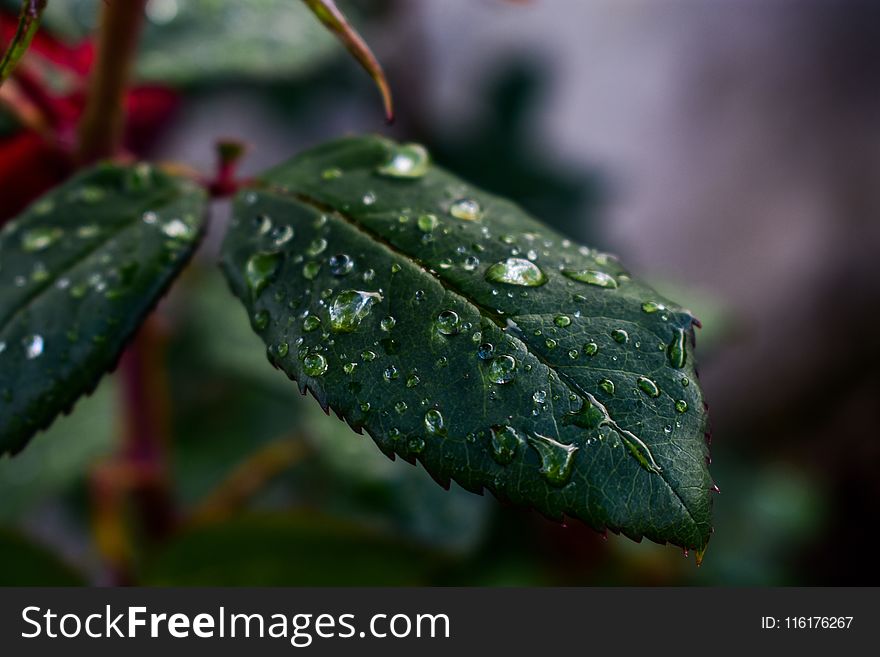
(463, 334)
(79, 270)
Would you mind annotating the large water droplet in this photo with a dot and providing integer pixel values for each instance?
(620, 336)
(588, 416)
(676, 349)
(37, 239)
(448, 322)
(466, 209)
(349, 308)
(556, 458)
(315, 365)
(516, 271)
(434, 422)
(648, 387)
(505, 442)
(406, 161)
(502, 369)
(260, 269)
(33, 346)
(592, 277)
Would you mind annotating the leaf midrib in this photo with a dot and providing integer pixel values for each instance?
(484, 311)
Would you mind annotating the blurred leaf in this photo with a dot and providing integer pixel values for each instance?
(29, 564)
(60, 456)
(287, 551)
(579, 414)
(328, 13)
(81, 267)
(28, 24)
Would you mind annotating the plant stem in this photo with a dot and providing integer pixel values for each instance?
(100, 130)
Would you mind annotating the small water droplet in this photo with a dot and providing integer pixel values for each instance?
(406, 161)
(573, 354)
(281, 235)
(387, 323)
(486, 350)
(620, 336)
(349, 309)
(448, 323)
(556, 458)
(502, 369)
(368, 355)
(676, 349)
(607, 386)
(401, 407)
(434, 422)
(505, 442)
(681, 406)
(592, 277)
(540, 396)
(341, 264)
(331, 174)
(368, 199)
(311, 323)
(685, 381)
(33, 346)
(591, 349)
(466, 209)
(259, 270)
(317, 246)
(652, 307)
(562, 321)
(260, 320)
(390, 373)
(315, 365)
(550, 343)
(88, 231)
(427, 222)
(516, 271)
(412, 381)
(311, 269)
(648, 387)
(416, 445)
(37, 239)
(282, 349)
(349, 368)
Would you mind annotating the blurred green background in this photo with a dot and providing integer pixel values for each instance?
(725, 153)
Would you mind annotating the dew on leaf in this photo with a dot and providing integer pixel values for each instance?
(416, 445)
(387, 323)
(620, 336)
(502, 369)
(317, 246)
(427, 222)
(311, 323)
(33, 346)
(562, 321)
(676, 349)
(37, 239)
(434, 422)
(591, 349)
(390, 373)
(681, 406)
(556, 458)
(648, 387)
(349, 309)
(505, 441)
(651, 307)
(259, 271)
(486, 350)
(315, 365)
(260, 320)
(311, 269)
(406, 161)
(607, 386)
(466, 209)
(516, 271)
(281, 235)
(331, 174)
(591, 277)
(448, 322)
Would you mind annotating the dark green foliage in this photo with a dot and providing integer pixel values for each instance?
(461, 333)
(79, 270)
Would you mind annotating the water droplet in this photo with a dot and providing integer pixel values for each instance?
(550, 343)
(317, 246)
(33, 346)
(390, 373)
(607, 386)
(260, 269)
(652, 307)
(331, 174)
(540, 396)
(573, 353)
(315, 365)
(556, 458)
(311, 323)
(282, 349)
(471, 263)
(648, 387)
(413, 381)
(466, 209)
(387, 323)
(592, 277)
(448, 323)
(368, 199)
(685, 381)
(401, 407)
(434, 422)
(340, 264)
(368, 355)
(681, 406)
(37, 239)
(505, 442)
(311, 269)
(88, 231)
(349, 368)
(365, 407)
(416, 445)
(620, 336)
(406, 161)
(676, 349)
(591, 349)
(260, 320)
(516, 271)
(281, 235)
(177, 229)
(395, 268)
(486, 350)
(502, 369)
(349, 308)
(562, 321)
(427, 222)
